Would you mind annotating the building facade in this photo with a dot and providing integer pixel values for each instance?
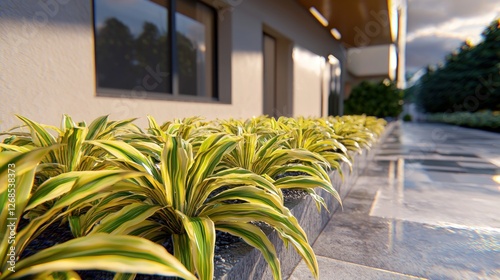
(167, 58)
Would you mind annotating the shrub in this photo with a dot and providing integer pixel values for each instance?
(469, 79)
(67, 191)
(375, 99)
(484, 120)
(123, 191)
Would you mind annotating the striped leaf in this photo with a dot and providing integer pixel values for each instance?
(71, 153)
(88, 186)
(82, 224)
(177, 159)
(313, 170)
(230, 177)
(254, 237)
(124, 151)
(15, 148)
(252, 195)
(201, 232)
(97, 127)
(306, 182)
(20, 169)
(286, 225)
(40, 136)
(120, 221)
(124, 254)
(209, 156)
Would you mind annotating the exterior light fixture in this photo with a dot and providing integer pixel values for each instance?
(318, 16)
(332, 59)
(336, 34)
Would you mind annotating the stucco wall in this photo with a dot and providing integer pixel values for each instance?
(310, 41)
(307, 82)
(47, 63)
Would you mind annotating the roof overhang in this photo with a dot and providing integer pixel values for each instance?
(359, 23)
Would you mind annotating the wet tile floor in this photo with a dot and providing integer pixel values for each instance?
(428, 206)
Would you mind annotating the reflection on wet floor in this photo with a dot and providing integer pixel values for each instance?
(427, 206)
(444, 183)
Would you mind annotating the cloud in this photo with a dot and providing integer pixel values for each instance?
(429, 51)
(435, 28)
(458, 28)
(423, 13)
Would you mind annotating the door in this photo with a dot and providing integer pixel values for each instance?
(269, 67)
(335, 95)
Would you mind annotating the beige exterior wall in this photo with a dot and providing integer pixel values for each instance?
(307, 80)
(372, 61)
(47, 63)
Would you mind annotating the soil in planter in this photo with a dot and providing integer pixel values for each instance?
(55, 234)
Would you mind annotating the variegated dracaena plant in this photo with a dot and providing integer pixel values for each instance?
(313, 135)
(70, 149)
(292, 168)
(186, 196)
(100, 251)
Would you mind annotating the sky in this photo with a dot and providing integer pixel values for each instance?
(437, 27)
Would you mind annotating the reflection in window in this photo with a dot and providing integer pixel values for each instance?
(134, 47)
(194, 46)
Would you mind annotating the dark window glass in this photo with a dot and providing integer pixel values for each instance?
(133, 47)
(195, 25)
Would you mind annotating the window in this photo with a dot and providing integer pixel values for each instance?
(135, 49)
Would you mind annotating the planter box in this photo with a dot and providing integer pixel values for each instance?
(240, 261)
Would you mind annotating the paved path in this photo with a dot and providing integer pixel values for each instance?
(428, 206)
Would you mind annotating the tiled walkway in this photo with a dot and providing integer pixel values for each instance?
(428, 206)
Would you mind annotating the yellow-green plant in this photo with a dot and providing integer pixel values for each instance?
(185, 179)
(264, 126)
(317, 137)
(181, 192)
(357, 132)
(99, 251)
(193, 130)
(270, 158)
(72, 153)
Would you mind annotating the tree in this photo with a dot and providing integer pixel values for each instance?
(381, 100)
(469, 80)
(114, 55)
(152, 53)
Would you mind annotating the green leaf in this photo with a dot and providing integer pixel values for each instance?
(88, 187)
(124, 254)
(201, 232)
(254, 236)
(249, 194)
(286, 225)
(306, 182)
(177, 159)
(131, 215)
(40, 136)
(209, 156)
(96, 127)
(124, 151)
(229, 177)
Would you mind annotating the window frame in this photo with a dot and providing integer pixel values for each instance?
(174, 95)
